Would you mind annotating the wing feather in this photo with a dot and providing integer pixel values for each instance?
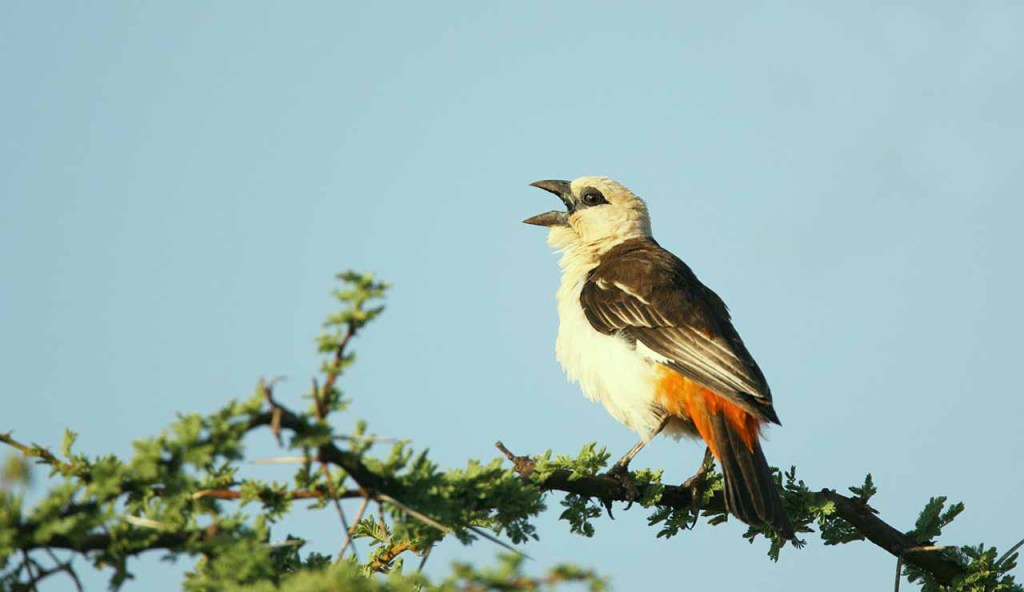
(649, 295)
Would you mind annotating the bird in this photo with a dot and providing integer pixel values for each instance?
(643, 336)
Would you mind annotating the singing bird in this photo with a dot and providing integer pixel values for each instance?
(641, 334)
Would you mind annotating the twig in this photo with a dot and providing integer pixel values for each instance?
(43, 573)
(347, 460)
(498, 541)
(355, 522)
(281, 460)
(32, 578)
(1008, 553)
(446, 529)
(286, 543)
(426, 555)
(382, 560)
(358, 438)
(35, 451)
(921, 549)
(143, 522)
(275, 419)
(66, 568)
(231, 494)
(520, 464)
(339, 357)
(318, 400)
(414, 513)
(320, 403)
(341, 513)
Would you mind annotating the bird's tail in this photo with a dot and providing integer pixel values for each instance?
(750, 491)
(731, 433)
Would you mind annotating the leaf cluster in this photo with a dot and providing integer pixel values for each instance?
(185, 493)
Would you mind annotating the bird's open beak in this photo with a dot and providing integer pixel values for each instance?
(554, 217)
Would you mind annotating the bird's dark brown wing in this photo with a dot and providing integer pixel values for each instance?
(649, 295)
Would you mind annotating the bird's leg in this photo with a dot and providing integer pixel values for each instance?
(696, 485)
(621, 467)
(620, 470)
(702, 472)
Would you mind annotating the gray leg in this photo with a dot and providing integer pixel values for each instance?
(620, 470)
(698, 479)
(622, 466)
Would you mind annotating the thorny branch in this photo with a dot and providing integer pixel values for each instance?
(856, 513)
(45, 456)
(371, 486)
(375, 485)
(231, 494)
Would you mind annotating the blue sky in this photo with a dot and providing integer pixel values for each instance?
(179, 182)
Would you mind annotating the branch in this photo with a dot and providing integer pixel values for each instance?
(382, 561)
(856, 513)
(35, 451)
(97, 542)
(861, 517)
(350, 461)
(339, 358)
(231, 494)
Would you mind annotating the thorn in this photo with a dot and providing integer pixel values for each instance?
(281, 460)
(523, 465)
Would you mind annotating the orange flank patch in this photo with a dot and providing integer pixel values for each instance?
(682, 397)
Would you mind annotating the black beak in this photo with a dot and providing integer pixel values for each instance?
(560, 188)
(553, 218)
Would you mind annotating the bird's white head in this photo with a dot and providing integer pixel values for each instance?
(599, 212)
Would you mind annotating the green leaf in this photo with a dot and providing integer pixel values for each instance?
(933, 519)
(68, 442)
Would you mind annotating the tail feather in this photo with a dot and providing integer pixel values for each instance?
(731, 433)
(750, 490)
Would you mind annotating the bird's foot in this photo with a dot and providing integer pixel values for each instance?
(620, 472)
(696, 486)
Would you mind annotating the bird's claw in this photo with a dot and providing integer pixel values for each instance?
(695, 483)
(696, 486)
(621, 474)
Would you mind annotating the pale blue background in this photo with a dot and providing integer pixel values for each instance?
(178, 183)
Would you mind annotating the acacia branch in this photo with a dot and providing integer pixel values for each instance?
(861, 517)
(233, 494)
(856, 513)
(98, 541)
(372, 485)
(349, 461)
(43, 455)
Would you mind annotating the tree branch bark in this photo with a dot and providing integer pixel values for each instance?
(856, 513)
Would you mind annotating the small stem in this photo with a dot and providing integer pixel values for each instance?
(337, 506)
(349, 540)
(1010, 552)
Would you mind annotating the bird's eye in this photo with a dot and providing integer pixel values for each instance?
(592, 197)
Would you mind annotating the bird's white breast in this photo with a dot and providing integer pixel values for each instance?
(608, 368)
